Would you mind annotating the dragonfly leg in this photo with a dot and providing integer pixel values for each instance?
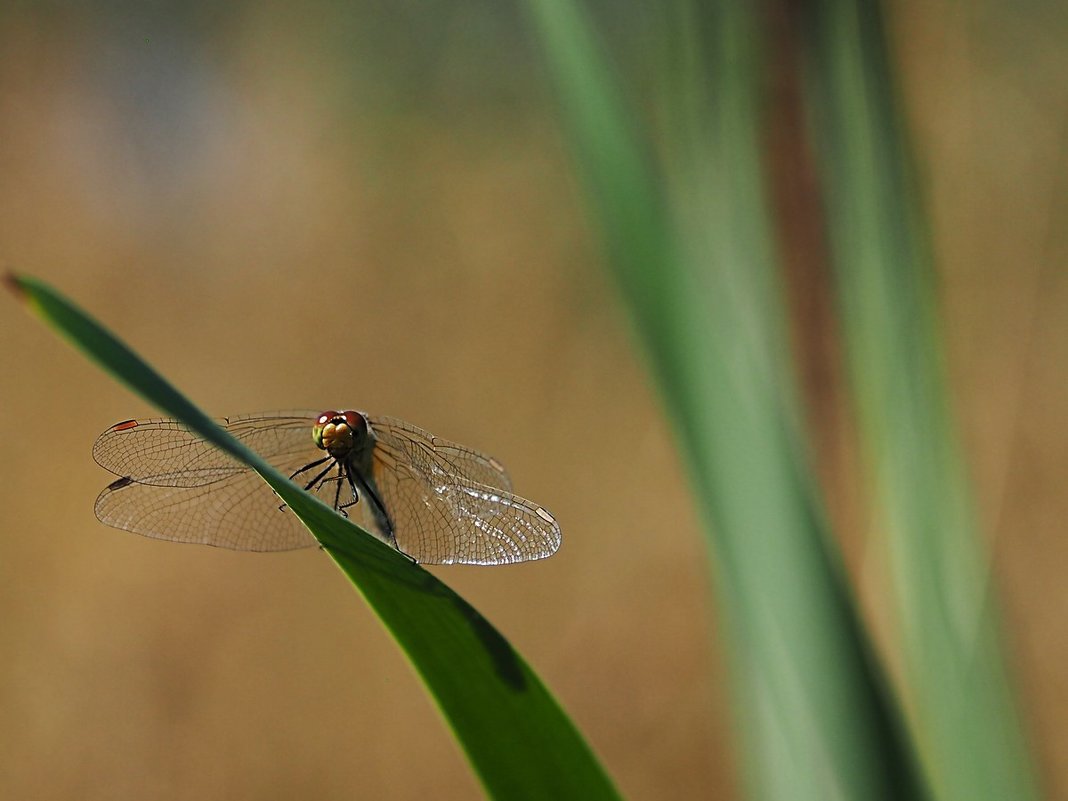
(314, 481)
(319, 477)
(308, 467)
(355, 495)
(337, 490)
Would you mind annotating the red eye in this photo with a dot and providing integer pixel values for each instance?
(357, 422)
(326, 417)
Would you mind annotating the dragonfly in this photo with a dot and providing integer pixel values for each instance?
(434, 500)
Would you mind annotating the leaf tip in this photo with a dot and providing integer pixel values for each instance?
(14, 284)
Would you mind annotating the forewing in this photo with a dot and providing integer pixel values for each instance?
(164, 452)
(442, 455)
(174, 486)
(444, 517)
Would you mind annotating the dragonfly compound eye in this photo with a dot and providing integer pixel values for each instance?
(357, 422)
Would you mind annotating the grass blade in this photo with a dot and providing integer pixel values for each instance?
(959, 695)
(690, 245)
(518, 739)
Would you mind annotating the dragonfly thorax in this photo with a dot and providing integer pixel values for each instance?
(339, 433)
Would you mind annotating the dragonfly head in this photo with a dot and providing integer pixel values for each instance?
(338, 433)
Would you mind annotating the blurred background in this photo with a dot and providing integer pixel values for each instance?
(370, 205)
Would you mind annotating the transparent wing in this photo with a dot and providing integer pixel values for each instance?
(447, 503)
(174, 486)
(164, 452)
(448, 457)
(443, 506)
